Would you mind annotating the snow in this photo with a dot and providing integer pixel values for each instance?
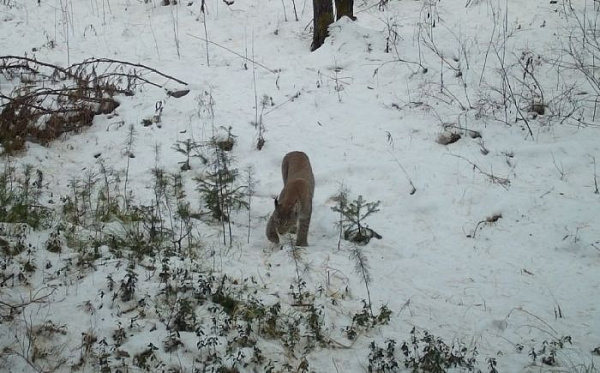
(362, 117)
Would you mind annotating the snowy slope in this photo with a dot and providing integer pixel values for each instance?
(368, 121)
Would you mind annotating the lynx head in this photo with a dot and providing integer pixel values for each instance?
(285, 217)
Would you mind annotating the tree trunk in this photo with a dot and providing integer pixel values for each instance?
(345, 8)
(322, 18)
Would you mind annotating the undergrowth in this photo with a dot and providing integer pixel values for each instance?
(101, 227)
(150, 262)
(422, 352)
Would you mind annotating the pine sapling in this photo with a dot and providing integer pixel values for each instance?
(71, 208)
(188, 148)
(354, 213)
(129, 142)
(299, 293)
(227, 142)
(342, 205)
(220, 190)
(89, 184)
(160, 185)
(251, 184)
(361, 266)
(107, 203)
(183, 213)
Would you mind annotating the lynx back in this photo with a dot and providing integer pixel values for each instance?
(293, 207)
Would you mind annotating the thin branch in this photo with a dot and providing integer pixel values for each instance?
(234, 52)
(25, 304)
(55, 67)
(596, 191)
(111, 61)
(512, 94)
(504, 182)
(413, 190)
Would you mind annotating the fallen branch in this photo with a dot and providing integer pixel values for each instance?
(413, 190)
(504, 182)
(15, 307)
(234, 52)
(110, 61)
(489, 220)
(49, 100)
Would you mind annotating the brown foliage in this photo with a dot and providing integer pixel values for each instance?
(50, 100)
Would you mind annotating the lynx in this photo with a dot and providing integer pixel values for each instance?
(293, 208)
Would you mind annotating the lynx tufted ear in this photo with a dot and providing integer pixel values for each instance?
(276, 203)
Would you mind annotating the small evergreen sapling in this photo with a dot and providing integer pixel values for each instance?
(182, 227)
(342, 200)
(129, 144)
(225, 141)
(251, 186)
(219, 187)
(187, 148)
(352, 216)
(20, 196)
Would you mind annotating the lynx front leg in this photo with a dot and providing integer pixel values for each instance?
(302, 237)
(272, 231)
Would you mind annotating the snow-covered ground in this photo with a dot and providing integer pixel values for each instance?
(498, 248)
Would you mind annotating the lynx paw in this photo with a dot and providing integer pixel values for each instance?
(303, 243)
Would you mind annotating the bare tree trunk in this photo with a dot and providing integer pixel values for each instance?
(322, 18)
(345, 8)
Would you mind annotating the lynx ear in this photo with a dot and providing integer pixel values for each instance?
(276, 203)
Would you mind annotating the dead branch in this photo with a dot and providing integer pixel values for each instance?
(91, 61)
(16, 307)
(489, 220)
(7, 59)
(234, 52)
(413, 189)
(504, 182)
(50, 100)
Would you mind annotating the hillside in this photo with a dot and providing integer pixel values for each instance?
(473, 123)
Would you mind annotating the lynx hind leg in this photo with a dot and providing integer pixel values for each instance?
(272, 231)
(284, 169)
